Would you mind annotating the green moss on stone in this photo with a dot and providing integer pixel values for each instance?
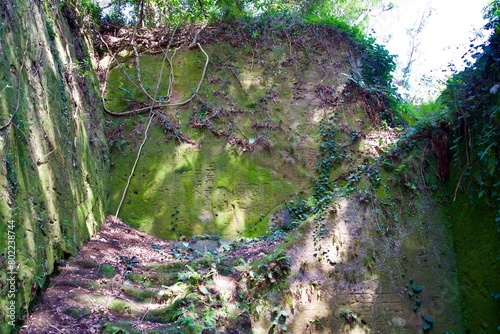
(76, 312)
(139, 295)
(106, 270)
(122, 307)
(216, 188)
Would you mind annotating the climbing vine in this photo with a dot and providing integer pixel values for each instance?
(473, 100)
(330, 156)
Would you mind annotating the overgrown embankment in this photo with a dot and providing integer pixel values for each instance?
(247, 142)
(288, 130)
(471, 103)
(54, 166)
(292, 133)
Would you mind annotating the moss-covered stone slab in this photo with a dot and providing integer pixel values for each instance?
(106, 270)
(226, 161)
(76, 312)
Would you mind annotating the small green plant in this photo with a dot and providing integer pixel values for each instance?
(91, 9)
(275, 267)
(128, 262)
(194, 277)
(49, 25)
(364, 196)
(278, 318)
(268, 274)
(349, 316)
(299, 211)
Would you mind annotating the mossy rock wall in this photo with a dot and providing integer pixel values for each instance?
(234, 155)
(274, 123)
(54, 167)
(476, 242)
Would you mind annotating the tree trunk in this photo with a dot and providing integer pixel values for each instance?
(141, 15)
(200, 2)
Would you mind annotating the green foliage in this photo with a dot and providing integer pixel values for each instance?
(128, 262)
(194, 277)
(278, 318)
(378, 65)
(473, 100)
(115, 16)
(330, 156)
(299, 211)
(91, 10)
(275, 267)
(193, 306)
(372, 69)
(49, 25)
(175, 12)
(117, 328)
(266, 273)
(11, 174)
(349, 11)
(415, 115)
(261, 277)
(469, 108)
(349, 316)
(160, 12)
(492, 14)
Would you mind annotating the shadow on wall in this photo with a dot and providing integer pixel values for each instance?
(348, 278)
(184, 190)
(54, 169)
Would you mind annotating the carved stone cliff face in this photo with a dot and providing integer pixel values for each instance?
(274, 131)
(283, 135)
(53, 170)
(247, 144)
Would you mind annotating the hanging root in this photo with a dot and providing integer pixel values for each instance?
(140, 85)
(151, 116)
(135, 164)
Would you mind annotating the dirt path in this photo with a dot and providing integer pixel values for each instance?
(117, 276)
